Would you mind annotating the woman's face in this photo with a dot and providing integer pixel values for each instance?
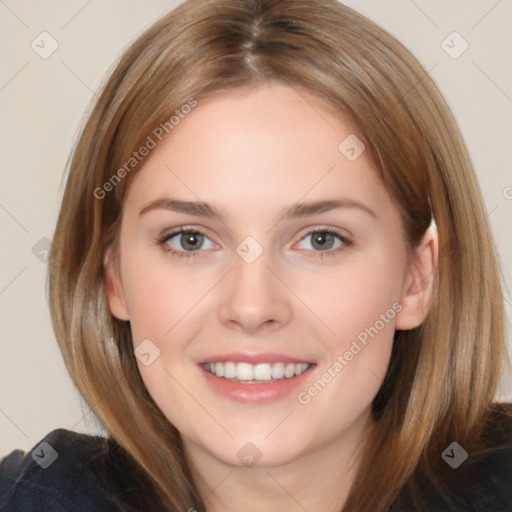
(264, 332)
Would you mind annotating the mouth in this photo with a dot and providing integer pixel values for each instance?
(255, 378)
(260, 373)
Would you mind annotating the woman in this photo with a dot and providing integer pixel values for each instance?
(273, 281)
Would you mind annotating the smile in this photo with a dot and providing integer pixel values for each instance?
(255, 373)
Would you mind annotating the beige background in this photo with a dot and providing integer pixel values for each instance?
(42, 103)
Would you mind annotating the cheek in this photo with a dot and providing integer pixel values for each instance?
(359, 306)
(359, 296)
(159, 299)
(163, 305)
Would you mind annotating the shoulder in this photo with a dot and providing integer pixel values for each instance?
(62, 472)
(487, 471)
(472, 479)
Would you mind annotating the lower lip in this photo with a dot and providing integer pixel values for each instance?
(254, 393)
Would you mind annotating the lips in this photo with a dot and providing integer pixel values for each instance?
(255, 378)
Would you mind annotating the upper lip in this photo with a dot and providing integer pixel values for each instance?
(238, 357)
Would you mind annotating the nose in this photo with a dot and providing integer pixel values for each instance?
(254, 299)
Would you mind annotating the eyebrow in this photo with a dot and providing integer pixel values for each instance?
(202, 209)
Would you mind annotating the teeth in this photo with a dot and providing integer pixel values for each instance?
(257, 372)
(301, 368)
(289, 371)
(244, 371)
(277, 370)
(229, 370)
(219, 369)
(262, 372)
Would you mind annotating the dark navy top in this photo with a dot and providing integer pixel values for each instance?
(71, 472)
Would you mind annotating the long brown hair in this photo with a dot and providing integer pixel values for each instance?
(443, 375)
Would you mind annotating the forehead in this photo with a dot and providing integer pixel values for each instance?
(266, 145)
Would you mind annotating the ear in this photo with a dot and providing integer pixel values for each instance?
(113, 286)
(418, 286)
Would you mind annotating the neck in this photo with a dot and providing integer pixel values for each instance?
(319, 479)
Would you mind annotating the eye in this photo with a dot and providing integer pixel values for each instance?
(185, 241)
(326, 242)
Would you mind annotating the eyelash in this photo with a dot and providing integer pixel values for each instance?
(162, 241)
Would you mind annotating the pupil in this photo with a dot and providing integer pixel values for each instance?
(191, 241)
(323, 239)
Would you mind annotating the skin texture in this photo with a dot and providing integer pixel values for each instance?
(255, 153)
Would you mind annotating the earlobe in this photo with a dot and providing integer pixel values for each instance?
(113, 287)
(419, 282)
